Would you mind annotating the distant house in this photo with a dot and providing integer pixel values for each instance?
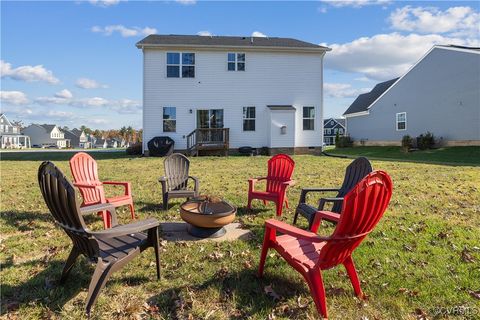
(226, 92)
(10, 136)
(112, 143)
(330, 129)
(46, 135)
(100, 143)
(78, 138)
(440, 94)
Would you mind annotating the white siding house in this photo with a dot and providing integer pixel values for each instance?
(440, 94)
(46, 135)
(267, 91)
(10, 136)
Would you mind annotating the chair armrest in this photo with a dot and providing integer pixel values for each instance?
(126, 185)
(162, 179)
(289, 183)
(284, 228)
(84, 185)
(321, 203)
(126, 229)
(252, 181)
(94, 208)
(303, 195)
(196, 181)
(327, 215)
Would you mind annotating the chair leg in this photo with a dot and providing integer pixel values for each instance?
(156, 247)
(107, 223)
(295, 217)
(352, 273)
(165, 202)
(279, 208)
(269, 235)
(249, 204)
(315, 283)
(69, 264)
(132, 210)
(286, 203)
(264, 202)
(100, 276)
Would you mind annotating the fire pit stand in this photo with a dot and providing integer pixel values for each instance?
(206, 218)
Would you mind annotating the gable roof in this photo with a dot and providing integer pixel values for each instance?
(70, 135)
(363, 101)
(76, 132)
(160, 40)
(339, 121)
(48, 127)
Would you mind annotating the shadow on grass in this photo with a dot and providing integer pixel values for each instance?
(62, 155)
(24, 220)
(44, 287)
(243, 289)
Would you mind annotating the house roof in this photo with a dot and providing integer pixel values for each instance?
(48, 127)
(363, 101)
(159, 40)
(459, 47)
(70, 135)
(76, 132)
(338, 120)
(281, 107)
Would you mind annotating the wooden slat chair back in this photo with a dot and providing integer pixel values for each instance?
(354, 173)
(175, 182)
(110, 249)
(84, 171)
(362, 208)
(59, 195)
(177, 168)
(309, 253)
(280, 171)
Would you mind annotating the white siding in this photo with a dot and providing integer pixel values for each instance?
(271, 78)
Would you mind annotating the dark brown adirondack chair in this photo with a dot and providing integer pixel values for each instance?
(354, 173)
(110, 249)
(175, 181)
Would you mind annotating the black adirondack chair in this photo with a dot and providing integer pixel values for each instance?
(110, 249)
(175, 182)
(354, 173)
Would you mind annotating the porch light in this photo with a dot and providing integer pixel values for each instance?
(283, 129)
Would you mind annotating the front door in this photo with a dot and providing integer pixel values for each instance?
(210, 119)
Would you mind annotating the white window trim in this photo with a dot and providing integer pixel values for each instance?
(397, 122)
(180, 65)
(314, 114)
(255, 119)
(236, 62)
(163, 120)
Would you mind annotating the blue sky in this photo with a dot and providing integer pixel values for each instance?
(74, 63)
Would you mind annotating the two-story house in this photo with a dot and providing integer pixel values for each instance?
(46, 135)
(239, 91)
(78, 138)
(10, 136)
(330, 129)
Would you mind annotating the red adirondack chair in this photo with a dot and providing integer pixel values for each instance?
(85, 175)
(309, 253)
(280, 169)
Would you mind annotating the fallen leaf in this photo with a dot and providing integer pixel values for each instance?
(466, 256)
(269, 290)
(475, 294)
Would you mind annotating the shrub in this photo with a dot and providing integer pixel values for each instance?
(343, 142)
(426, 141)
(135, 149)
(407, 143)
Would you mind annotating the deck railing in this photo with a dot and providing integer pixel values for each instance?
(210, 138)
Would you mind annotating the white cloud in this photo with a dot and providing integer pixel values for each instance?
(322, 9)
(27, 73)
(64, 94)
(123, 31)
(385, 56)
(342, 90)
(204, 33)
(356, 3)
(455, 20)
(90, 102)
(258, 34)
(104, 3)
(13, 97)
(86, 83)
(186, 2)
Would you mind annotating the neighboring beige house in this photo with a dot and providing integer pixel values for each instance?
(10, 136)
(46, 135)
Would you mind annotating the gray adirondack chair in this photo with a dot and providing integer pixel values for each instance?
(110, 249)
(175, 182)
(354, 173)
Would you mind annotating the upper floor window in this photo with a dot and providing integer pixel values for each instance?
(401, 120)
(169, 119)
(308, 118)
(248, 118)
(328, 131)
(180, 64)
(335, 130)
(340, 131)
(236, 62)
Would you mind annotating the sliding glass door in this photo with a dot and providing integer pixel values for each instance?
(210, 119)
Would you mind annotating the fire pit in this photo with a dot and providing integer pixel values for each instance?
(207, 216)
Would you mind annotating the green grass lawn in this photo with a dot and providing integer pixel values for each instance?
(423, 255)
(447, 155)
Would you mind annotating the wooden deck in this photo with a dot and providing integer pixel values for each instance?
(208, 140)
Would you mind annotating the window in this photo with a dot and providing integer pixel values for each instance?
(169, 119)
(308, 118)
(340, 131)
(186, 65)
(248, 118)
(329, 131)
(401, 121)
(236, 62)
(335, 130)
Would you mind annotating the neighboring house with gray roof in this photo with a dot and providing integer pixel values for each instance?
(439, 92)
(46, 135)
(78, 138)
(267, 91)
(331, 127)
(10, 135)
